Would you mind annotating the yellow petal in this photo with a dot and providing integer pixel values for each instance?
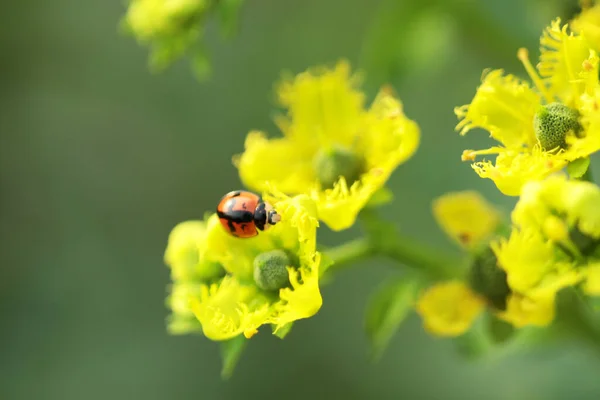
(592, 282)
(522, 311)
(184, 253)
(449, 308)
(389, 139)
(283, 162)
(323, 105)
(513, 169)
(588, 24)
(230, 308)
(466, 217)
(182, 319)
(561, 62)
(303, 299)
(525, 256)
(577, 201)
(504, 106)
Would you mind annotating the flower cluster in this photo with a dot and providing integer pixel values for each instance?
(554, 243)
(331, 164)
(542, 128)
(228, 287)
(334, 157)
(173, 28)
(332, 149)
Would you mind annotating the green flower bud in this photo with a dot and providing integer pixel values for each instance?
(552, 122)
(270, 270)
(330, 164)
(489, 280)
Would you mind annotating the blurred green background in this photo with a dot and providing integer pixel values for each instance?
(99, 159)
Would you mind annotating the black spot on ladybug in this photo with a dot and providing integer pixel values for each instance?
(244, 206)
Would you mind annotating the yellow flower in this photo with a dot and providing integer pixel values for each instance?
(466, 217)
(243, 301)
(332, 149)
(533, 265)
(577, 202)
(449, 308)
(185, 253)
(523, 311)
(182, 319)
(540, 129)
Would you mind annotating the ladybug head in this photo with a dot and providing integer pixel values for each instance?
(265, 216)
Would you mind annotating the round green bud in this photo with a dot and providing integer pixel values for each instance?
(270, 270)
(552, 122)
(330, 164)
(489, 280)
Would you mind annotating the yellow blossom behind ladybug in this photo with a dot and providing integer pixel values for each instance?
(449, 308)
(543, 128)
(236, 301)
(466, 217)
(333, 148)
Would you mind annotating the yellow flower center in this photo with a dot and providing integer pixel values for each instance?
(335, 162)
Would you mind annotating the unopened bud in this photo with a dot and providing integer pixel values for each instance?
(270, 270)
(489, 280)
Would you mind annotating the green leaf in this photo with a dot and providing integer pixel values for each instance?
(388, 307)
(231, 350)
(578, 168)
(229, 12)
(283, 332)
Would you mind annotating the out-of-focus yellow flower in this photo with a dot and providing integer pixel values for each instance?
(185, 253)
(245, 299)
(466, 217)
(592, 279)
(449, 308)
(588, 23)
(182, 319)
(153, 19)
(530, 262)
(523, 311)
(332, 148)
(540, 129)
(576, 202)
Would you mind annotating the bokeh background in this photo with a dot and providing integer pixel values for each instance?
(99, 158)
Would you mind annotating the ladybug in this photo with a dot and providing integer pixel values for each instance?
(243, 214)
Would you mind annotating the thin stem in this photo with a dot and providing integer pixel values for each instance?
(429, 260)
(383, 239)
(348, 253)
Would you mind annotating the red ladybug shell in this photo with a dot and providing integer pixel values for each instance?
(236, 213)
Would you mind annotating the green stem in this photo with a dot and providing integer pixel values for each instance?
(349, 252)
(575, 318)
(384, 240)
